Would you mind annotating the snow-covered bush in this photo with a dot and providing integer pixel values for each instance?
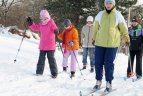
(28, 34)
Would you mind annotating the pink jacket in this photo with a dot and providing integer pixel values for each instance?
(47, 36)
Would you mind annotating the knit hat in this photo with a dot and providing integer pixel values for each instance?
(67, 23)
(135, 18)
(89, 18)
(110, 1)
(44, 13)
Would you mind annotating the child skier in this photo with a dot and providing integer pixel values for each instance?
(135, 48)
(70, 43)
(86, 41)
(47, 28)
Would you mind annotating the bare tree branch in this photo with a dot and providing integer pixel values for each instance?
(5, 3)
(16, 2)
(10, 4)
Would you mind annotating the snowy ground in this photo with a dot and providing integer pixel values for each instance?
(18, 79)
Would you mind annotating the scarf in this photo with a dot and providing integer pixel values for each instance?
(65, 36)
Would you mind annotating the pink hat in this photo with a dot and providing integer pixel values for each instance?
(44, 13)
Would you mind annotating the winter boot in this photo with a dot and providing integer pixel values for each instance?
(54, 76)
(139, 77)
(130, 74)
(108, 87)
(72, 74)
(84, 66)
(98, 85)
(92, 69)
(64, 68)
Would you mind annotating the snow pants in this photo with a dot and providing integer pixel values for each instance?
(138, 55)
(73, 63)
(51, 60)
(105, 57)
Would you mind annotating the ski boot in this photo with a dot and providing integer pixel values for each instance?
(108, 87)
(84, 67)
(98, 85)
(65, 69)
(72, 74)
(92, 70)
(130, 74)
(54, 76)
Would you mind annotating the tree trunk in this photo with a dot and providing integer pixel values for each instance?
(5, 18)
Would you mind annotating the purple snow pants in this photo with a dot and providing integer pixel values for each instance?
(73, 62)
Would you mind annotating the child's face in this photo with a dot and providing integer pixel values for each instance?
(109, 5)
(89, 22)
(67, 27)
(134, 23)
(44, 20)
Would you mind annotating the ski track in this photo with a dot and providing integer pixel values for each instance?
(18, 79)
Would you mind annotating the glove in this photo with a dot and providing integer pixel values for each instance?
(93, 42)
(71, 43)
(56, 32)
(126, 41)
(29, 21)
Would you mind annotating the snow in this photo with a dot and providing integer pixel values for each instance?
(139, 2)
(18, 79)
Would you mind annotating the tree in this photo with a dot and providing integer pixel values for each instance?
(121, 5)
(72, 9)
(137, 11)
(5, 6)
(14, 12)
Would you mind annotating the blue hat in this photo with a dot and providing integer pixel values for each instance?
(67, 23)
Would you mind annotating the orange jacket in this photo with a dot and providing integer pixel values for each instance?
(69, 35)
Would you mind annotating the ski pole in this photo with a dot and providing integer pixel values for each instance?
(130, 65)
(77, 62)
(118, 51)
(21, 42)
(61, 49)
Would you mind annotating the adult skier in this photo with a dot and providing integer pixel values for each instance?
(109, 24)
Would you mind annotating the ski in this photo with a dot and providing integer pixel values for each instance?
(135, 79)
(91, 92)
(130, 76)
(127, 78)
(106, 92)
